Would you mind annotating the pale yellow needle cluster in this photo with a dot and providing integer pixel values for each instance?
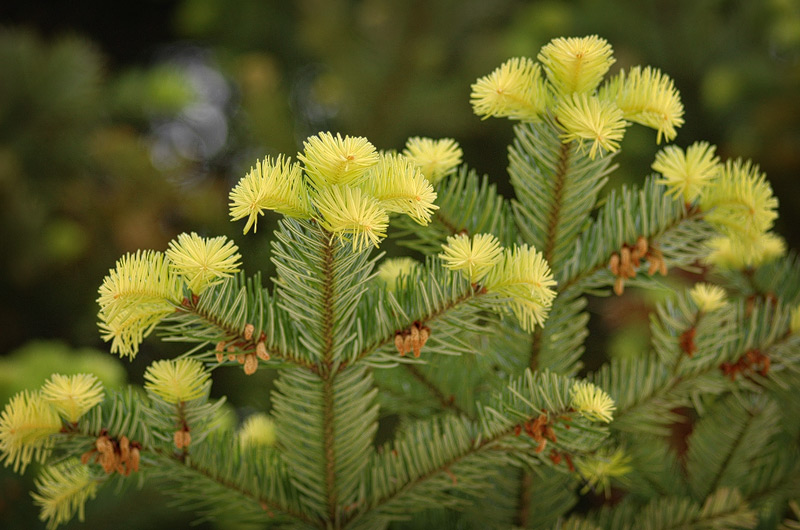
(515, 90)
(135, 296)
(740, 201)
(72, 395)
(592, 402)
(393, 269)
(435, 158)
(735, 253)
(520, 274)
(258, 430)
(274, 184)
(576, 64)
(686, 173)
(203, 262)
(647, 97)
(523, 275)
(27, 424)
(473, 256)
(147, 286)
(400, 187)
(62, 490)
(352, 215)
(587, 118)
(177, 381)
(601, 468)
(343, 184)
(708, 297)
(330, 160)
(569, 86)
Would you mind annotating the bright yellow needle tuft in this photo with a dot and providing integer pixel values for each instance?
(72, 396)
(647, 97)
(592, 401)
(586, 118)
(399, 186)
(473, 256)
(686, 174)
(135, 296)
(62, 490)
(352, 215)
(435, 158)
(708, 297)
(26, 426)
(524, 276)
(276, 184)
(331, 160)
(576, 64)
(202, 262)
(176, 381)
(515, 90)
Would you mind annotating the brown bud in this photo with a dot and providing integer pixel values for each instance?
(399, 343)
(250, 364)
(248, 331)
(231, 356)
(220, 357)
(619, 286)
(103, 444)
(415, 340)
(408, 343)
(624, 259)
(231, 348)
(124, 448)
(182, 439)
(641, 246)
(220, 346)
(424, 333)
(261, 351)
(133, 461)
(240, 358)
(613, 264)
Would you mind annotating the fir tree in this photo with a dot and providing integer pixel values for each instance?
(477, 349)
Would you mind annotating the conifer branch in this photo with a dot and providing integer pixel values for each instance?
(445, 402)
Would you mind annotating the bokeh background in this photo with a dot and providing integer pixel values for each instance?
(125, 123)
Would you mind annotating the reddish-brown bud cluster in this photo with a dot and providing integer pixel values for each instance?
(752, 361)
(121, 456)
(539, 429)
(624, 264)
(242, 351)
(412, 339)
(182, 438)
(557, 457)
(686, 341)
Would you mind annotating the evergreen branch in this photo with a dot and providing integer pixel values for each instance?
(725, 443)
(222, 316)
(321, 283)
(433, 452)
(230, 486)
(724, 508)
(432, 296)
(556, 188)
(445, 402)
(325, 426)
(644, 388)
(679, 234)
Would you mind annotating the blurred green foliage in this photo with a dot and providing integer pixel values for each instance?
(97, 160)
